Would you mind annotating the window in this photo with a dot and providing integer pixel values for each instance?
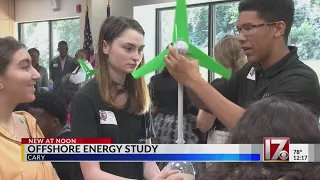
(69, 31)
(305, 32)
(36, 35)
(198, 29)
(226, 15)
(226, 18)
(167, 21)
(45, 36)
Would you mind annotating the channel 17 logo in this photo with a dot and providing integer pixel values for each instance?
(276, 149)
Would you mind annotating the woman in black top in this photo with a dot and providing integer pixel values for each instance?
(115, 105)
(164, 95)
(229, 53)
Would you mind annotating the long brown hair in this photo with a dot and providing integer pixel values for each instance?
(138, 94)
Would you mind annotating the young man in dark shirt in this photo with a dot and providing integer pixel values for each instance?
(51, 114)
(273, 68)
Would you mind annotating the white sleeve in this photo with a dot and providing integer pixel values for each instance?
(89, 65)
(79, 77)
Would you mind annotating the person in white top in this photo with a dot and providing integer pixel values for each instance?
(78, 76)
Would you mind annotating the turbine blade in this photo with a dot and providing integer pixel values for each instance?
(87, 70)
(83, 65)
(180, 27)
(155, 64)
(208, 62)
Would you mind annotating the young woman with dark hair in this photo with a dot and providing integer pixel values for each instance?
(17, 85)
(114, 104)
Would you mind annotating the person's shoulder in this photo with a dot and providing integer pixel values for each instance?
(155, 77)
(69, 58)
(297, 67)
(299, 72)
(66, 134)
(162, 78)
(55, 59)
(246, 68)
(25, 117)
(31, 123)
(300, 67)
(299, 75)
(90, 89)
(217, 81)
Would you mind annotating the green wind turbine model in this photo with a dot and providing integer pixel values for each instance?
(183, 46)
(89, 73)
(181, 39)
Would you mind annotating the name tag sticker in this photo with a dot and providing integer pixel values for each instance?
(55, 65)
(252, 74)
(107, 117)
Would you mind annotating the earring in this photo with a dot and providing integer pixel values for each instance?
(1, 86)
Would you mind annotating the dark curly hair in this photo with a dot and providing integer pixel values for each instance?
(67, 90)
(271, 117)
(271, 11)
(53, 105)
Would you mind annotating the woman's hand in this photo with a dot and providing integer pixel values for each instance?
(165, 175)
(183, 69)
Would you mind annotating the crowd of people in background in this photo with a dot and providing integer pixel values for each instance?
(271, 94)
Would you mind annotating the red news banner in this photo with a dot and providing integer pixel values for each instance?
(66, 141)
(35, 149)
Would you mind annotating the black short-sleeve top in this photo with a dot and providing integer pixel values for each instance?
(91, 118)
(288, 79)
(164, 94)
